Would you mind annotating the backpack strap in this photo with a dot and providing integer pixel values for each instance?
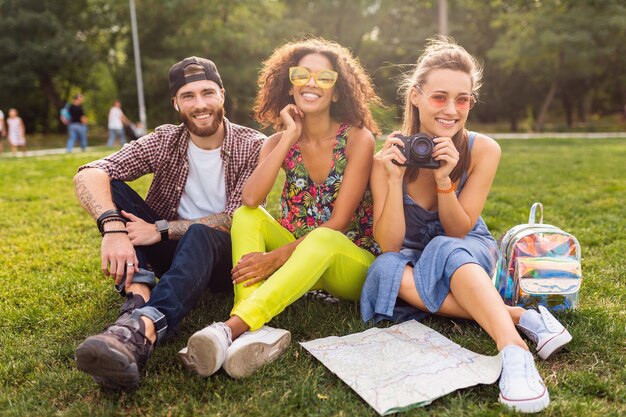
(533, 210)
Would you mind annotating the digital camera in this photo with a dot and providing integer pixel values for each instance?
(418, 150)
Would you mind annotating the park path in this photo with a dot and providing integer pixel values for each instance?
(497, 136)
(42, 152)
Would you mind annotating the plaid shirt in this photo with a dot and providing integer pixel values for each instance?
(164, 153)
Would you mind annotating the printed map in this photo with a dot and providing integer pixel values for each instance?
(403, 366)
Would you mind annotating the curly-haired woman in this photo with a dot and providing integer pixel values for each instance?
(317, 96)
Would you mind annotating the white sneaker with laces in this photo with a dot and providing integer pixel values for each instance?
(521, 387)
(252, 350)
(206, 349)
(545, 330)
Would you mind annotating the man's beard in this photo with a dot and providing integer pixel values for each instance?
(218, 117)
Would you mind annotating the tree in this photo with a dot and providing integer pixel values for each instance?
(561, 45)
(535, 53)
(236, 35)
(49, 53)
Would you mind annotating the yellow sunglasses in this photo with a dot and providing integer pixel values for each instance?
(325, 79)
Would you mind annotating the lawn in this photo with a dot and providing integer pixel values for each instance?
(52, 296)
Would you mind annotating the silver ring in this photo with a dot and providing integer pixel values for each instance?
(130, 264)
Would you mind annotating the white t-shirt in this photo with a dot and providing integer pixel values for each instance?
(205, 190)
(1, 121)
(115, 118)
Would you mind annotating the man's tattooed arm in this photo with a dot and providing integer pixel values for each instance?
(91, 188)
(220, 221)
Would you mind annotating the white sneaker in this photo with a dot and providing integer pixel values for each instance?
(545, 330)
(252, 350)
(521, 387)
(206, 349)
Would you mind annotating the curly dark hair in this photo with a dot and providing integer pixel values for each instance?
(353, 87)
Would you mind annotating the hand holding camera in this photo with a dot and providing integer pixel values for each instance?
(418, 151)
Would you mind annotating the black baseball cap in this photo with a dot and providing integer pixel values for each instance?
(177, 73)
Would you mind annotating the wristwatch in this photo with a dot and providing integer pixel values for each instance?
(163, 227)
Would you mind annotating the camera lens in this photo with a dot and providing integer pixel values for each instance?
(421, 148)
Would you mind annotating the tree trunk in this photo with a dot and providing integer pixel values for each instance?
(582, 114)
(541, 118)
(52, 98)
(513, 122)
(46, 120)
(569, 111)
(50, 92)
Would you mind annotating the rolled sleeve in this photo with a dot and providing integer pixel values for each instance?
(134, 160)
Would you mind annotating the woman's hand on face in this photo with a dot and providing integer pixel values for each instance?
(448, 156)
(291, 116)
(392, 151)
(255, 267)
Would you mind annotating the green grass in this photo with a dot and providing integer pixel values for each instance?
(52, 296)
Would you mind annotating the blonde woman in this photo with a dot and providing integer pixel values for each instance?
(439, 254)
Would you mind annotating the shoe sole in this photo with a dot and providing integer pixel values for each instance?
(533, 405)
(243, 362)
(554, 345)
(107, 366)
(199, 355)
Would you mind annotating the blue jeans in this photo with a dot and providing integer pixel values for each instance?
(114, 133)
(76, 130)
(200, 260)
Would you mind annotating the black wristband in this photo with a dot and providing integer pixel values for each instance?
(114, 231)
(113, 219)
(106, 215)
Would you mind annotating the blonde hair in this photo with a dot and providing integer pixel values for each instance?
(441, 53)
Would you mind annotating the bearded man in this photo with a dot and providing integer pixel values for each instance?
(180, 233)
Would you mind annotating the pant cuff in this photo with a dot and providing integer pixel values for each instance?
(142, 277)
(160, 322)
(251, 315)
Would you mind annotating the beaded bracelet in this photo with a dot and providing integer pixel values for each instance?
(113, 219)
(448, 191)
(107, 214)
(113, 231)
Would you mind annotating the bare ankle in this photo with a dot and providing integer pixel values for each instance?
(516, 313)
(237, 326)
(150, 329)
(141, 289)
(501, 344)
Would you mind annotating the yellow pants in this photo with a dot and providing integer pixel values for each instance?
(325, 259)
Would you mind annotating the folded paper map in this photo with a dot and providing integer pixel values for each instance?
(403, 366)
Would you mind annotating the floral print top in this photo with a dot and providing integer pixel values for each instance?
(305, 205)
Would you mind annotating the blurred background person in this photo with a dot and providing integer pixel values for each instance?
(117, 120)
(16, 132)
(3, 132)
(138, 129)
(77, 127)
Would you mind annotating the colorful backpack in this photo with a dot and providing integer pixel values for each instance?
(539, 264)
(65, 115)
